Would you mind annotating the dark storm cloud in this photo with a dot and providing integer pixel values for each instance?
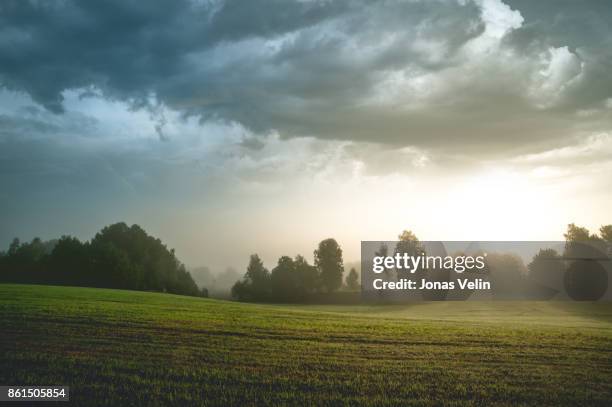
(582, 26)
(394, 72)
(128, 48)
(133, 49)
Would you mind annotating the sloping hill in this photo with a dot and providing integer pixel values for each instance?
(121, 347)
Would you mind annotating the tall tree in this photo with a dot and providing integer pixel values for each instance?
(352, 280)
(307, 276)
(579, 243)
(328, 260)
(579, 234)
(15, 244)
(70, 262)
(408, 244)
(258, 278)
(284, 281)
(585, 279)
(606, 233)
(546, 267)
(255, 285)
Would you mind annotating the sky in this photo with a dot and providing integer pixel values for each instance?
(232, 127)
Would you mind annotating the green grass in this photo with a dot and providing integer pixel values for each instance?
(121, 347)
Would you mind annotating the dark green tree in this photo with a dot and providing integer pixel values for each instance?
(328, 260)
(255, 286)
(585, 278)
(117, 257)
(25, 262)
(546, 266)
(240, 291)
(14, 246)
(148, 264)
(352, 280)
(258, 277)
(69, 262)
(307, 276)
(110, 267)
(284, 280)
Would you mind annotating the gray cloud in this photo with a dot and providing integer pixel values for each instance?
(128, 48)
(583, 27)
(404, 73)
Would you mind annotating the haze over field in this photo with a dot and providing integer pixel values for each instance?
(116, 347)
(231, 127)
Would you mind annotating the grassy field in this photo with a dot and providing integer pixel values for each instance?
(120, 347)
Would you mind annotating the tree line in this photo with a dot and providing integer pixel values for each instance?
(293, 279)
(126, 257)
(574, 266)
(580, 264)
(119, 256)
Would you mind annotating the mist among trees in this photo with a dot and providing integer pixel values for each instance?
(126, 257)
(293, 279)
